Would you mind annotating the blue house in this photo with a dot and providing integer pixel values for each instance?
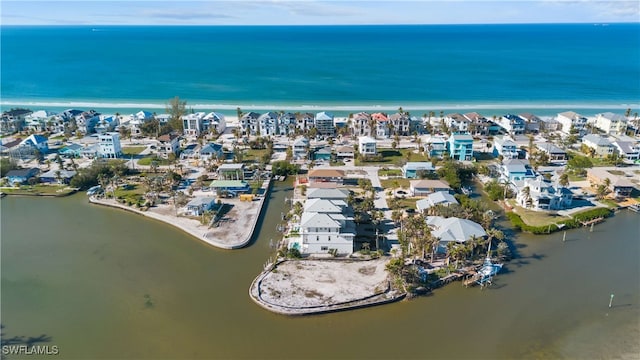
(38, 142)
(461, 146)
(516, 170)
(212, 151)
(21, 176)
(506, 147)
(322, 154)
(230, 187)
(57, 176)
(412, 170)
(71, 151)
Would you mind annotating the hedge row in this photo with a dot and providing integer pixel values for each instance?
(574, 222)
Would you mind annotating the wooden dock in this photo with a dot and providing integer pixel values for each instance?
(592, 221)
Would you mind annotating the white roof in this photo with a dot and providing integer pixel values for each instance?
(322, 193)
(231, 167)
(366, 140)
(321, 206)
(454, 229)
(311, 219)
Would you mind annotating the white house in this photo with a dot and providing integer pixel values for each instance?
(367, 146)
(168, 144)
(512, 124)
(249, 123)
(436, 198)
(360, 124)
(601, 145)
(611, 124)
(627, 149)
(457, 122)
(109, 145)
(199, 205)
(382, 125)
(38, 142)
(268, 124)
(400, 124)
(541, 194)
(505, 146)
(193, 123)
(569, 119)
(286, 124)
(412, 170)
(453, 230)
(300, 148)
(214, 121)
(321, 232)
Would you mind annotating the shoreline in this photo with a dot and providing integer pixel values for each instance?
(193, 227)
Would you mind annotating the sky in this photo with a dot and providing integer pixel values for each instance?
(315, 12)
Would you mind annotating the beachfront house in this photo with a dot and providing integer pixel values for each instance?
(611, 124)
(367, 146)
(600, 145)
(268, 124)
(460, 146)
(214, 122)
(513, 170)
(505, 146)
(109, 145)
(326, 176)
(426, 187)
(304, 121)
(437, 198)
(200, 205)
(554, 153)
(168, 144)
(286, 124)
(478, 124)
(39, 120)
(231, 172)
(540, 194)
(435, 146)
(21, 176)
(192, 124)
(531, 122)
(401, 124)
(36, 142)
(137, 120)
(512, 124)
(324, 123)
(106, 123)
(57, 176)
(361, 124)
(570, 120)
(87, 121)
(230, 188)
(381, 122)
(300, 148)
(13, 120)
(249, 123)
(457, 122)
(453, 229)
(413, 170)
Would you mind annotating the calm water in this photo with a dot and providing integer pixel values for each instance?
(85, 287)
(418, 67)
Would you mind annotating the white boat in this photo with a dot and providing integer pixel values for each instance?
(634, 207)
(488, 270)
(94, 190)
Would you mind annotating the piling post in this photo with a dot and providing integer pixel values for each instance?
(611, 300)
(564, 236)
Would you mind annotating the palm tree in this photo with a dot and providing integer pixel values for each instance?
(58, 174)
(526, 192)
(564, 179)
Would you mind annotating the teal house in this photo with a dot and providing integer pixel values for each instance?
(322, 154)
(230, 188)
(71, 151)
(460, 146)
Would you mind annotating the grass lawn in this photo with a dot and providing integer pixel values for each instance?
(389, 172)
(58, 190)
(610, 203)
(133, 194)
(408, 203)
(395, 183)
(537, 218)
(133, 150)
(254, 155)
(148, 159)
(395, 156)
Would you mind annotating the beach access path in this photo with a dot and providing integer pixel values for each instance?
(233, 231)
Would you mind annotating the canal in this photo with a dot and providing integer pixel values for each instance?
(102, 283)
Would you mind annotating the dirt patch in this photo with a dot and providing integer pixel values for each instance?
(368, 270)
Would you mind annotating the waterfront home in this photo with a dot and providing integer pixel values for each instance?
(554, 153)
(619, 185)
(268, 124)
(322, 154)
(611, 124)
(412, 170)
(549, 124)
(426, 187)
(21, 176)
(367, 146)
(531, 122)
(571, 120)
(326, 175)
(57, 176)
(460, 146)
(382, 125)
(436, 198)
(435, 146)
(249, 123)
(329, 194)
(324, 123)
(481, 125)
(230, 188)
(211, 151)
(13, 120)
(36, 142)
(300, 148)
(39, 120)
(321, 232)
(601, 145)
(304, 121)
(513, 170)
(287, 124)
(453, 229)
(505, 146)
(327, 206)
(401, 124)
(109, 145)
(627, 149)
(214, 122)
(457, 122)
(231, 172)
(360, 124)
(72, 150)
(106, 123)
(540, 194)
(87, 121)
(344, 152)
(168, 144)
(137, 120)
(512, 124)
(192, 124)
(200, 205)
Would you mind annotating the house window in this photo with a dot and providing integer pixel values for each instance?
(324, 248)
(329, 238)
(317, 238)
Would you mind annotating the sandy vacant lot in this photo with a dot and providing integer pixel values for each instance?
(311, 283)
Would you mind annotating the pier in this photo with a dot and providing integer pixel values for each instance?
(592, 221)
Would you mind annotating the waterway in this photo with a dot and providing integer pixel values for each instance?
(102, 283)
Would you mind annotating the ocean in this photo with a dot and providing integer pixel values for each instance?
(544, 67)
